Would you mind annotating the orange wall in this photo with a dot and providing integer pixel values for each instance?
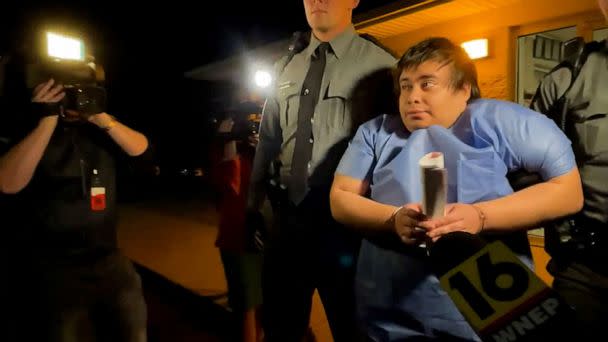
(501, 27)
(540, 257)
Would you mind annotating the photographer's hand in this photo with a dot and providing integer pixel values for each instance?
(254, 139)
(45, 99)
(48, 92)
(226, 126)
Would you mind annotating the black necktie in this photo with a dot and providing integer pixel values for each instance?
(311, 88)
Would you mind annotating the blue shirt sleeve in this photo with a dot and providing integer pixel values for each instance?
(529, 140)
(359, 159)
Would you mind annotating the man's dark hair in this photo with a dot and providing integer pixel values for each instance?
(443, 51)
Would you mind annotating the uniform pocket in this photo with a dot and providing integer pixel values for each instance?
(336, 104)
(591, 130)
(478, 177)
(289, 102)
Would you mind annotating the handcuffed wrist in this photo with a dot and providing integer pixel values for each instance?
(391, 220)
(482, 218)
(396, 211)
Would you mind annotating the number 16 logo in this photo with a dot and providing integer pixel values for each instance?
(491, 284)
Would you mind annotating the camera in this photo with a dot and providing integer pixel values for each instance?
(246, 117)
(86, 99)
(64, 59)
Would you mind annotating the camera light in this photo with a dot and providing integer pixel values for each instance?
(262, 78)
(63, 47)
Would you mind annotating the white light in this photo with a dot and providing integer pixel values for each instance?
(262, 78)
(63, 47)
(477, 48)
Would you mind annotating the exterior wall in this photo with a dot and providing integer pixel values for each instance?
(497, 74)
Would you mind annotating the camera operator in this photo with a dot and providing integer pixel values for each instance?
(68, 280)
(232, 155)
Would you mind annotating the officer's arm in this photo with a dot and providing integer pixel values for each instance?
(17, 166)
(267, 150)
(132, 142)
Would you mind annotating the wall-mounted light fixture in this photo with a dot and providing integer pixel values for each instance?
(477, 48)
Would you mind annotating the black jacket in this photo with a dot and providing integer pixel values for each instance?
(54, 214)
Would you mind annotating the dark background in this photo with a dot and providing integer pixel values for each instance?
(146, 47)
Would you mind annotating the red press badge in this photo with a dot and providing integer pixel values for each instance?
(98, 199)
(98, 193)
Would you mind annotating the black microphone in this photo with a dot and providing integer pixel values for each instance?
(452, 249)
(501, 297)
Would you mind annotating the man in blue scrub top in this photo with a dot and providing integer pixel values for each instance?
(377, 188)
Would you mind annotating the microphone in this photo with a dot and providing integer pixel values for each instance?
(501, 297)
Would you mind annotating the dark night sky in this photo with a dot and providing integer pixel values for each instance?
(176, 34)
(146, 47)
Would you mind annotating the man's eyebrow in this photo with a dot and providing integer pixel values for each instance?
(421, 77)
(427, 76)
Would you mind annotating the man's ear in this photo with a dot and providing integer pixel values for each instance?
(466, 88)
(355, 4)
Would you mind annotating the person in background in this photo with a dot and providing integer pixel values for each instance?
(232, 157)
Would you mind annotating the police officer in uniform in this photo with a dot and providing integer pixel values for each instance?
(307, 123)
(575, 95)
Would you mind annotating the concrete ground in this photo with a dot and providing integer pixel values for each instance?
(172, 240)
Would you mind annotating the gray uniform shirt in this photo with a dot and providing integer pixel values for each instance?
(350, 61)
(588, 100)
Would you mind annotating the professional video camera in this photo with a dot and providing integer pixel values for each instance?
(63, 58)
(246, 117)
